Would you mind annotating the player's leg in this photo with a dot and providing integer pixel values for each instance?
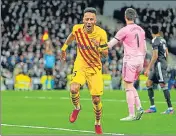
(136, 96)
(74, 94)
(163, 79)
(97, 106)
(166, 92)
(129, 75)
(130, 101)
(149, 84)
(95, 84)
(137, 99)
(77, 80)
(140, 110)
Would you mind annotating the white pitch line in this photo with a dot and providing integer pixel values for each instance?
(88, 99)
(41, 97)
(51, 128)
(110, 100)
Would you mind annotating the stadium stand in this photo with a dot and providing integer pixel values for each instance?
(24, 22)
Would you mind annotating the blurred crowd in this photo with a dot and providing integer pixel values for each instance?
(22, 28)
(24, 22)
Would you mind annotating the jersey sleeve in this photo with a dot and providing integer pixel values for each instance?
(74, 29)
(121, 34)
(155, 44)
(104, 38)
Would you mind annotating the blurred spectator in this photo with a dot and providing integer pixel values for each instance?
(49, 62)
(24, 22)
(3, 87)
(22, 82)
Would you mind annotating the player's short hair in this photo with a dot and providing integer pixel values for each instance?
(130, 14)
(90, 9)
(155, 29)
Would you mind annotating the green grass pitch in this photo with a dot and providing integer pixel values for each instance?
(47, 112)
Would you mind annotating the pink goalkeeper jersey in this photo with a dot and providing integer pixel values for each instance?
(133, 38)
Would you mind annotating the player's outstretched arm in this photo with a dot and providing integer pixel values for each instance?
(69, 39)
(115, 40)
(109, 45)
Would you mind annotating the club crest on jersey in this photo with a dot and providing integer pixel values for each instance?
(95, 42)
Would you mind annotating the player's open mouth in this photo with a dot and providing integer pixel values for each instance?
(88, 27)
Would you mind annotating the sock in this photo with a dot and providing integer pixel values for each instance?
(130, 101)
(75, 100)
(152, 106)
(136, 98)
(167, 97)
(98, 111)
(171, 108)
(151, 95)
